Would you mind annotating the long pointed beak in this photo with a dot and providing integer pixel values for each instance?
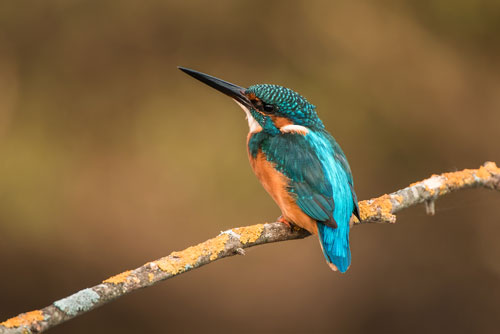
(231, 90)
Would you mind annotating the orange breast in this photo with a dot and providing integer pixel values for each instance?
(276, 184)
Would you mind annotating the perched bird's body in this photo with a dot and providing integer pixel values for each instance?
(298, 162)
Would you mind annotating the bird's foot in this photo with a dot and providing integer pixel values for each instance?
(286, 222)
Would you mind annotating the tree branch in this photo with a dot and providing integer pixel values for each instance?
(234, 241)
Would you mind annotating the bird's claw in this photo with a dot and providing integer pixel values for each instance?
(286, 222)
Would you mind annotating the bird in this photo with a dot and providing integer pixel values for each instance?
(298, 162)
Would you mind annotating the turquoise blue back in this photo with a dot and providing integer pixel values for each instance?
(335, 241)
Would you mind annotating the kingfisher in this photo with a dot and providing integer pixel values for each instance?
(298, 162)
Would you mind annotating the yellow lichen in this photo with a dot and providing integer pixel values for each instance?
(457, 179)
(366, 210)
(492, 168)
(483, 173)
(120, 278)
(250, 233)
(24, 319)
(217, 245)
(487, 170)
(165, 264)
(178, 262)
(468, 176)
(379, 206)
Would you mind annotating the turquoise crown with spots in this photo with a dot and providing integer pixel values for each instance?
(287, 103)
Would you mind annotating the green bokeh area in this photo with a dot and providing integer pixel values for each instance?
(110, 157)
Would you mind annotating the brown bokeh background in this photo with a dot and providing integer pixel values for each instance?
(111, 157)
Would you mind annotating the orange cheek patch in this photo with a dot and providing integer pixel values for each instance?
(279, 122)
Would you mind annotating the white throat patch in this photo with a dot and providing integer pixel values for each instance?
(292, 128)
(252, 123)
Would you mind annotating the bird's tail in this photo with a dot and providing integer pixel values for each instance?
(335, 245)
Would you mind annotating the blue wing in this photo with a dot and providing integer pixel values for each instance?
(342, 160)
(296, 157)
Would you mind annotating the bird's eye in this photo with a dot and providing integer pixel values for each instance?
(268, 108)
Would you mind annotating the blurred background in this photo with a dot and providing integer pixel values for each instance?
(110, 157)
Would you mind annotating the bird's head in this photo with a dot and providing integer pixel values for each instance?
(270, 108)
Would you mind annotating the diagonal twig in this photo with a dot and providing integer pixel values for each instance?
(233, 242)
